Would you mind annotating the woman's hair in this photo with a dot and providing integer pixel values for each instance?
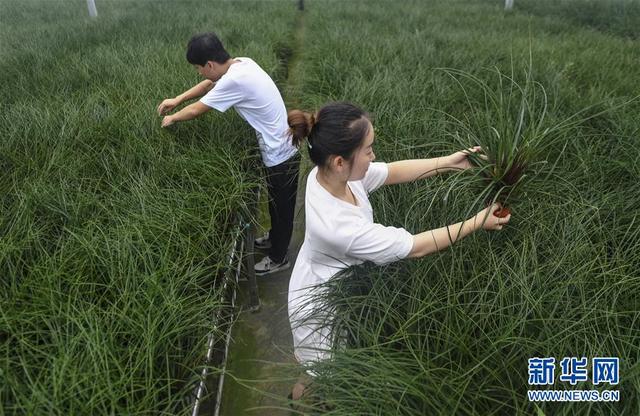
(338, 129)
(206, 47)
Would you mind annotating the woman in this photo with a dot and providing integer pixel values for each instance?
(340, 231)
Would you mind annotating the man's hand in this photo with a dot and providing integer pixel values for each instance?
(166, 106)
(188, 113)
(167, 121)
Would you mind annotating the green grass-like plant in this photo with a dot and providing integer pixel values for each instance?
(451, 333)
(114, 233)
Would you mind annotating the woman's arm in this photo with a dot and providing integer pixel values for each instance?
(411, 170)
(429, 242)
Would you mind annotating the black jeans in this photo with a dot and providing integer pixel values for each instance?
(282, 186)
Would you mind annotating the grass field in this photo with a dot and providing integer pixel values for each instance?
(113, 232)
(452, 333)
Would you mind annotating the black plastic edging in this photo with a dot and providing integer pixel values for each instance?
(216, 323)
(254, 298)
(228, 340)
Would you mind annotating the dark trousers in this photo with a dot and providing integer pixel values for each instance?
(282, 185)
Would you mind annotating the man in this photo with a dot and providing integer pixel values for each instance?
(242, 84)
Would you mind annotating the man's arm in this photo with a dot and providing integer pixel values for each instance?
(196, 92)
(188, 113)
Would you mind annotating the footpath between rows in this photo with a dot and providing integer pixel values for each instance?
(259, 376)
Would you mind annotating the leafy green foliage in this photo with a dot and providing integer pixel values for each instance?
(451, 333)
(114, 232)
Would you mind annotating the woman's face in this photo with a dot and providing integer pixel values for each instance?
(362, 157)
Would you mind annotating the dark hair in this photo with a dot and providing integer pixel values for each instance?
(206, 47)
(338, 129)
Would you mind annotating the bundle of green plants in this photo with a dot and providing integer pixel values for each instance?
(523, 138)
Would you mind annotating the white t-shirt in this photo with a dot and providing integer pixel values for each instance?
(337, 235)
(255, 97)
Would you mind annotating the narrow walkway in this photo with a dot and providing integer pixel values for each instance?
(260, 359)
(261, 346)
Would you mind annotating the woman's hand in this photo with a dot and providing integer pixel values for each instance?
(460, 160)
(490, 221)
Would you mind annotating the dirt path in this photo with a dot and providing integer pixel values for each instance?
(261, 367)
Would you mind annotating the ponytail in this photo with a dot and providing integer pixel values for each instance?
(337, 129)
(300, 125)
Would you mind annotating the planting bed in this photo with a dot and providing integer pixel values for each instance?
(452, 333)
(114, 232)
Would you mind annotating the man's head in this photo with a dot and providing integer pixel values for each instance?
(206, 53)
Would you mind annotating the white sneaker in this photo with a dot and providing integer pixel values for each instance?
(263, 242)
(267, 266)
